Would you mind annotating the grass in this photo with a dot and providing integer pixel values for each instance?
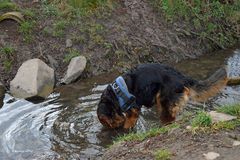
(202, 119)
(162, 154)
(211, 20)
(233, 110)
(7, 50)
(7, 54)
(26, 28)
(143, 135)
(7, 5)
(203, 122)
(230, 125)
(71, 54)
(59, 27)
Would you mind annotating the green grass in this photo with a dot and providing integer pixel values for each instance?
(7, 5)
(71, 54)
(7, 64)
(211, 20)
(202, 119)
(162, 154)
(88, 6)
(143, 135)
(26, 28)
(59, 27)
(29, 13)
(233, 110)
(7, 54)
(7, 50)
(229, 125)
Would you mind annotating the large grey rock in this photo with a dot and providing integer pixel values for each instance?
(75, 69)
(2, 94)
(34, 78)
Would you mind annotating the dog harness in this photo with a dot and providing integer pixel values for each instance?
(125, 99)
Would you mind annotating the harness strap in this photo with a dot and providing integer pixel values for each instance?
(125, 99)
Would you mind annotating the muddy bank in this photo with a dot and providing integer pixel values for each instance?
(116, 38)
(181, 144)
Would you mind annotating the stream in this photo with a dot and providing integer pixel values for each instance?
(65, 125)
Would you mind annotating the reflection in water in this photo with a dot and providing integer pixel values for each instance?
(65, 126)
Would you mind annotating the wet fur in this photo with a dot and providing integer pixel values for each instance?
(159, 85)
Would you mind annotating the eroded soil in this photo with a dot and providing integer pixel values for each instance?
(182, 144)
(119, 38)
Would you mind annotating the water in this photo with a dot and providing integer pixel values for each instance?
(65, 126)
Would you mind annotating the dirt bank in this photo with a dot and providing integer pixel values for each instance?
(181, 144)
(116, 37)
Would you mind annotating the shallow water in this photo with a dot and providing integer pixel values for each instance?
(65, 126)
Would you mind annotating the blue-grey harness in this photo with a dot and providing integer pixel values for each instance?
(125, 99)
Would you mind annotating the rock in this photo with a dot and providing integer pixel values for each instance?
(2, 94)
(69, 43)
(219, 117)
(34, 78)
(211, 155)
(75, 69)
(189, 127)
(236, 143)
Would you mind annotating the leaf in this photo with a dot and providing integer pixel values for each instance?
(16, 16)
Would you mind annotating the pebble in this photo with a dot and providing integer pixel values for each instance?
(236, 143)
(69, 43)
(211, 155)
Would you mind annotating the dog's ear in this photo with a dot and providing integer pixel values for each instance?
(186, 91)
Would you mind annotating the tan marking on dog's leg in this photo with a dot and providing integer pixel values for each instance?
(158, 103)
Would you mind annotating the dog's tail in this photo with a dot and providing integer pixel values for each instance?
(202, 90)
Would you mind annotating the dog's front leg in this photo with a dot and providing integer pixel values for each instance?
(131, 118)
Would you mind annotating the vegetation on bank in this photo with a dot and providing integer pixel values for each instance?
(201, 122)
(216, 20)
(162, 154)
(82, 21)
(144, 135)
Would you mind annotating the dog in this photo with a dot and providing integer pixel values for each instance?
(150, 85)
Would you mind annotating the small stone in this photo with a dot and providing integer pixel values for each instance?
(211, 155)
(220, 117)
(75, 69)
(189, 127)
(236, 143)
(69, 43)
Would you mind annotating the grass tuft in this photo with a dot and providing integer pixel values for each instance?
(72, 53)
(233, 110)
(26, 28)
(202, 119)
(143, 135)
(162, 154)
(7, 5)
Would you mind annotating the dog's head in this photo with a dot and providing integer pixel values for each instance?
(108, 111)
(173, 103)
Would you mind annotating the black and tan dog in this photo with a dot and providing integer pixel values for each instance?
(159, 85)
